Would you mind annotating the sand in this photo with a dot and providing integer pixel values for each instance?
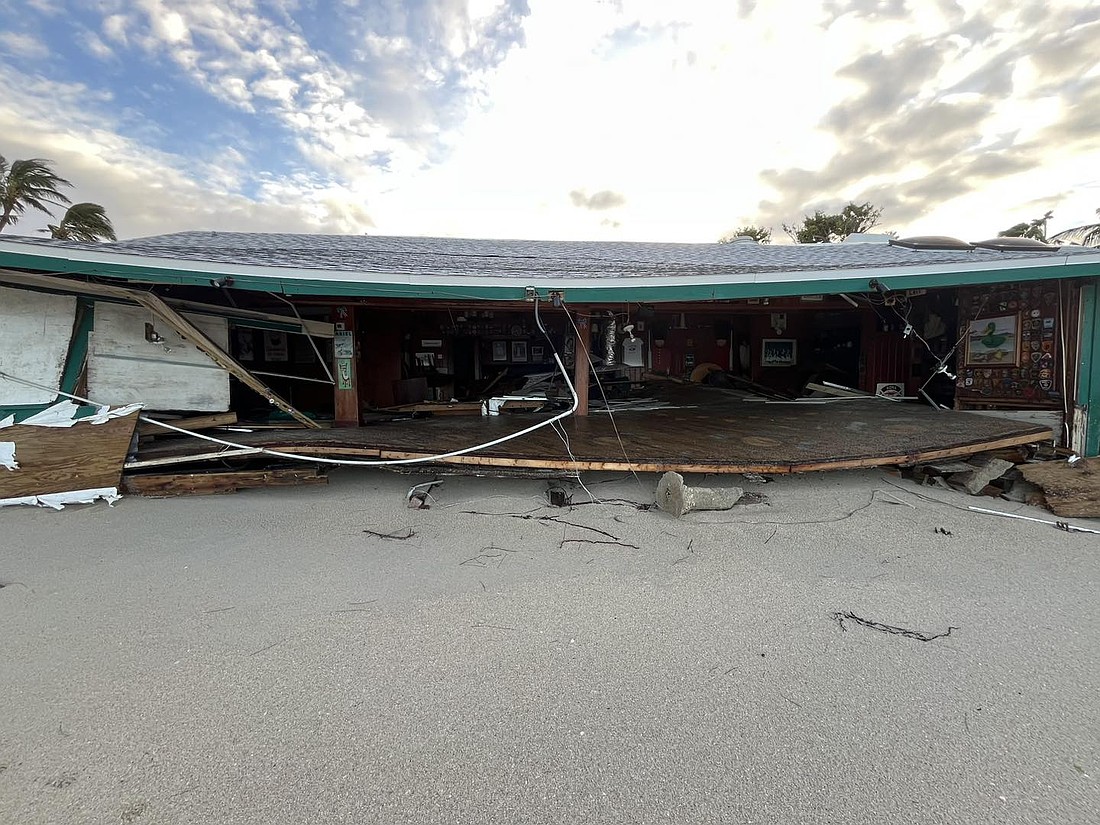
(258, 658)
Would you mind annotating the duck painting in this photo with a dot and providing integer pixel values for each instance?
(993, 341)
(990, 338)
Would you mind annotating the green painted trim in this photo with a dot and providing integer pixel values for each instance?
(1088, 377)
(514, 291)
(24, 411)
(78, 346)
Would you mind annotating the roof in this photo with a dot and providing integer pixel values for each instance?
(419, 267)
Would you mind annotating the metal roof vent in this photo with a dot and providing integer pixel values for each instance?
(930, 242)
(1016, 245)
(868, 237)
(743, 239)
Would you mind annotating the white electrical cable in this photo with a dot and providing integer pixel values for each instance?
(336, 461)
(558, 429)
(610, 414)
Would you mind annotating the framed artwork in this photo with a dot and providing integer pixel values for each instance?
(519, 350)
(500, 350)
(276, 346)
(778, 352)
(538, 354)
(245, 345)
(993, 342)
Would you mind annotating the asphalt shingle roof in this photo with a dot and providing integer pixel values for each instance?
(526, 260)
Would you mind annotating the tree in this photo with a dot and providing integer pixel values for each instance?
(87, 222)
(28, 183)
(1087, 235)
(1036, 229)
(33, 184)
(822, 227)
(760, 234)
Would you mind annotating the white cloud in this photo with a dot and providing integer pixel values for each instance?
(115, 28)
(147, 192)
(93, 44)
(22, 45)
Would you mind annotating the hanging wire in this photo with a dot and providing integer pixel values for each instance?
(312, 343)
(610, 414)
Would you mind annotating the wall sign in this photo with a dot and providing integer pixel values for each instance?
(343, 344)
(343, 374)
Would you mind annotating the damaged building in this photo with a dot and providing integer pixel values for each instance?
(534, 356)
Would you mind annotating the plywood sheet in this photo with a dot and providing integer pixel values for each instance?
(59, 459)
(35, 331)
(1070, 489)
(172, 374)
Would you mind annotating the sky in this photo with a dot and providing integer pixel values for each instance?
(638, 120)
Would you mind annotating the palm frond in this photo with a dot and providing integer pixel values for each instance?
(85, 222)
(29, 184)
(1087, 235)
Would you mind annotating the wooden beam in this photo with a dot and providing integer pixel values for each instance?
(346, 367)
(218, 455)
(581, 361)
(206, 484)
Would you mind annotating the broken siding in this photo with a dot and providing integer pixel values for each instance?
(35, 331)
(124, 366)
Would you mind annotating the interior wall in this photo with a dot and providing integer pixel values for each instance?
(1026, 367)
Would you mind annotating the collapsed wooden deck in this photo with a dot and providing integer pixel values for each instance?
(709, 432)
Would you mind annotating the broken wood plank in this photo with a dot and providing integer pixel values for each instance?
(205, 484)
(199, 422)
(216, 455)
(837, 391)
(439, 408)
(1070, 489)
(60, 459)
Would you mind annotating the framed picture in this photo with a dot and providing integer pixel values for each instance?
(245, 345)
(519, 350)
(778, 352)
(276, 347)
(500, 350)
(538, 354)
(993, 342)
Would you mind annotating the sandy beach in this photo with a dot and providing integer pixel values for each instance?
(259, 658)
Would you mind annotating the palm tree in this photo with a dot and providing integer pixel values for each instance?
(87, 222)
(28, 183)
(1087, 235)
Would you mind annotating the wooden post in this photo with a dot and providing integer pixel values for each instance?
(346, 359)
(581, 361)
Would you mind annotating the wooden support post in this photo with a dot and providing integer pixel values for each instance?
(581, 360)
(345, 368)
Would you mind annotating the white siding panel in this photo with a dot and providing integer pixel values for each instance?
(35, 331)
(124, 367)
